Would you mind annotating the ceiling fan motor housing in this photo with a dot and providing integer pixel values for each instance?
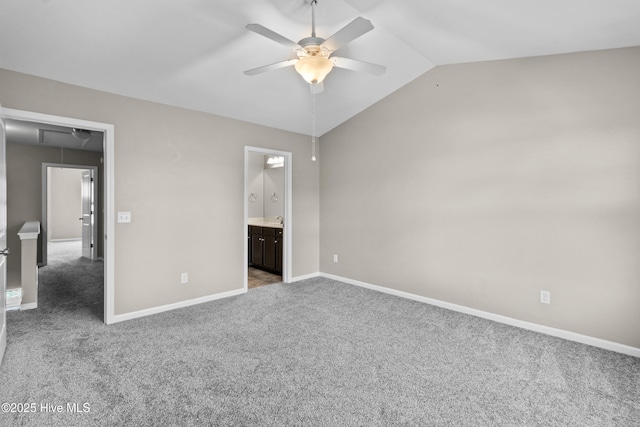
(311, 41)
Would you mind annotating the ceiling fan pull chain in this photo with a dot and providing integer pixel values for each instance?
(313, 126)
(313, 149)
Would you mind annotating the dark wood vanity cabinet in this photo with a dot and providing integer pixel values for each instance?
(265, 248)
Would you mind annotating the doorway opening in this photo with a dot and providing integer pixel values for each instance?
(103, 224)
(70, 211)
(267, 214)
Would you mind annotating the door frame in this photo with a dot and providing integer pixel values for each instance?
(45, 195)
(287, 235)
(108, 151)
(92, 206)
(3, 270)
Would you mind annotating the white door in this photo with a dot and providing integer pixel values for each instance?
(3, 241)
(88, 239)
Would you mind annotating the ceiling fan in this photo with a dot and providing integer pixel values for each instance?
(314, 59)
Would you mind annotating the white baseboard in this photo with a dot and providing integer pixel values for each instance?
(187, 303)
(72, 239)
(560, 333)
(305, 277)
(154, 310)
(28, 306)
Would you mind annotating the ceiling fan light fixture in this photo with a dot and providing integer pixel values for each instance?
(314, 68)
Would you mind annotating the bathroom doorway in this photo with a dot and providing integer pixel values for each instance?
(267, 216)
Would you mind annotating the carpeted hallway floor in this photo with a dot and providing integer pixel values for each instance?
(316, 353)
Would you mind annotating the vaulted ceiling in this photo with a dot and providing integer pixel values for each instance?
(192, 53)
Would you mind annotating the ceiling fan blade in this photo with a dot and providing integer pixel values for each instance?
(350, 32)
(355, 65)
(270, 67)
(317, 88)
(264, 31)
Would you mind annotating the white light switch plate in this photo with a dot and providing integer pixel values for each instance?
(124, 216)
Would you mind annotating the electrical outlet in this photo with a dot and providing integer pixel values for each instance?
(545, 297)
(184, 278)
(335, 258)
(124, 216)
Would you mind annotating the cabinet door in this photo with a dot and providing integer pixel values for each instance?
(249, 249)
(278, 247)
(257, 246)
(269, 256)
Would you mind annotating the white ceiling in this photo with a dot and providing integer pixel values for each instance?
(192, 53)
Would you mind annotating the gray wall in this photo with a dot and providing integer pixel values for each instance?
(477, 184)
(24, 191)
(481, 184)
(255, 185)
(273, 183)
(181, 174)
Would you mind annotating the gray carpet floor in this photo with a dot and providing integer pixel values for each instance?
(317, 353)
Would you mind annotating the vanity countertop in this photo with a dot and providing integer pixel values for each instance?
(264, 222)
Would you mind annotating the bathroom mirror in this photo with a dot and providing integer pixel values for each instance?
(265, 186)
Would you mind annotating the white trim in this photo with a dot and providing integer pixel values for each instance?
(108, 152)
(29, 306)
(168, 307)
(288, 211)
(3, 340)
(304, 277)
(29, 230)
(109, 250)
(65, 240)
(3, 236)
(560, 333)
